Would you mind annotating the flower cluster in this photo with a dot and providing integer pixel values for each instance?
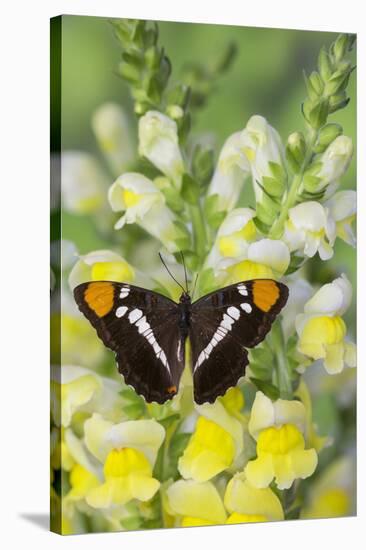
(118, 462)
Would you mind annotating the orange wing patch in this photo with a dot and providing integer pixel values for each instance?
(265, 294)
(100, 297)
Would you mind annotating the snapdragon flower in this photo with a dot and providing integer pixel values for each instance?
(322, 330)
(248, 504)
(143, 203)
(310, 229)
(158, 142)
(128, 452)
(79, 389)
(113, 132)
(83, 183)
(229, 175)
(216, 443)
(334, 163)
(279, 430)
(342, 209)
(263, 259)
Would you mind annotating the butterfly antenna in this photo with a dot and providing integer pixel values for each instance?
(185, 271)
(194, 286)
(170, 273)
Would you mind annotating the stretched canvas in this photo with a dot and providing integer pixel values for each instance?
(203, 275)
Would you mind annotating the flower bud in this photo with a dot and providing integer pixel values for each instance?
(340, 46)
(324, 65)
(264, 150)
(295, 150)
(335, 160)
(158, 142)
(326, 136)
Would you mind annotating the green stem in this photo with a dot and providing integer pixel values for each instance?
(277, 227)
(282, 367)
(199, 230)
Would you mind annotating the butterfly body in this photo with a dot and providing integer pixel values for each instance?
(148, 331)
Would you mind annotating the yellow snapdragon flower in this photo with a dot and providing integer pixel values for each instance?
(332, 495)
(247, 504)
(77, 389)
(279, 430)
(215, 444)
(322, 330)
(195, 503)
(128, 452)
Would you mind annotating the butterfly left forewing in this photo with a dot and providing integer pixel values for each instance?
(141, 327)
(231, 319)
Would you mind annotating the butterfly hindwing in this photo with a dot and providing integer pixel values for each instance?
(223, 324)
(142, 328)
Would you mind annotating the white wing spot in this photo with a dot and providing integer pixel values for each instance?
(227, 322)
(246, 307)
(124, 292)
(120, 311)
(234, 312)
(142, 325)
(134, 315)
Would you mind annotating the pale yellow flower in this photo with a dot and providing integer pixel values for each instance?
(215, 444)
(113, 132)
(248, 504)
(279, 430)
(83, 183)
(332, 495)
(195, 503)
(77, 389)
(322, 330)
(264, 259)
(128, 451)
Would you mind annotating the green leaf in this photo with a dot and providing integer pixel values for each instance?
(278, 171)
(267, 388)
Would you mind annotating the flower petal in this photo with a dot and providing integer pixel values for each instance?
(198, 500)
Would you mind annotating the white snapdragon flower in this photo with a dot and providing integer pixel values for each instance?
(322, 330)
(263, 259)
(112, 130)
(262, 146)
(83, 182)
(143, 203)
(158, 142)
(310, 229)
(342, 208)
(231, 170)
(233, 237)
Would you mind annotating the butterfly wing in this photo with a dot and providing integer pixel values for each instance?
(142, 328)
(223, 324)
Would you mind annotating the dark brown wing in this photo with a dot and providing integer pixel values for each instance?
(142, 328)
(223, 324)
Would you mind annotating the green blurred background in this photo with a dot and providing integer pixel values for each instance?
(265, 78)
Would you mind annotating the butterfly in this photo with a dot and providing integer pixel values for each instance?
(147, 332)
